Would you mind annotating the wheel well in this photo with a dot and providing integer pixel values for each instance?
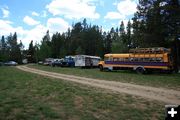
(100, 65)
(139, 67)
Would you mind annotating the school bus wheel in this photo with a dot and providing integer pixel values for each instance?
(101, 67)
(140, 70)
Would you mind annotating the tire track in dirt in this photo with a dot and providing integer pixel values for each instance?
(161, 94)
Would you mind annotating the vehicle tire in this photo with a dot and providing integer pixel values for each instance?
(101, 68)
(91, 66)
(140, 70)
(176, 70)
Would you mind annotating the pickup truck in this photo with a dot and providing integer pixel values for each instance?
(68, 61)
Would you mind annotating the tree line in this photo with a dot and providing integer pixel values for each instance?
(85, 39)
(10, 49)
(155, 24)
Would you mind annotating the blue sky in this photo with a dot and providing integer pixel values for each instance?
(32, 18)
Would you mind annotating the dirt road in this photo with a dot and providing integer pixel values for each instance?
(161, 94)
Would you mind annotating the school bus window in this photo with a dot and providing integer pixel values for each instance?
(111, 58)
(146, 59)
(159, 59)
(108, 58)
(115, 59)
(126, 59)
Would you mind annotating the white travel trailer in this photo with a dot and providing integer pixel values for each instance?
(86, 61)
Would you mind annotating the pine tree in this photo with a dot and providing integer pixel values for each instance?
(128, 35)
(108, 43)
(14, 48)
(171, 17)
(56, 45)
(123, 43)
(45, 51)
(46, 38)
(21, 46)
(149, 24)
(31, 53)
(3, 44)
(3, 50)
(122, 32)
(36, 53)
(76, 38)
(45, 48)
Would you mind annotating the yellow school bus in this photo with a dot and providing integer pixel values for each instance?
(141, 60)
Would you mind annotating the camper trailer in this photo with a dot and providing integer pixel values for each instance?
(86, 61)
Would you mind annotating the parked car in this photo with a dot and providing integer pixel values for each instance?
(10, 63)
(56, 63)
(48, 61)
(40, 62)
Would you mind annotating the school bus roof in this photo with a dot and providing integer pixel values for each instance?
(140, 55)
(117, 55)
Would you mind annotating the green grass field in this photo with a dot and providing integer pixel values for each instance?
(29, 96)
(156, 79)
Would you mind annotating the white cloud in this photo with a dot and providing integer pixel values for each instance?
(124, 9)
(24, 35)
(36, 33)
(30, 21)
(6, 27)
(57, 25)
(114, 15)
(127, 7)
(73, 9)
(35, 13)
(42, 14)
(5, 12)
